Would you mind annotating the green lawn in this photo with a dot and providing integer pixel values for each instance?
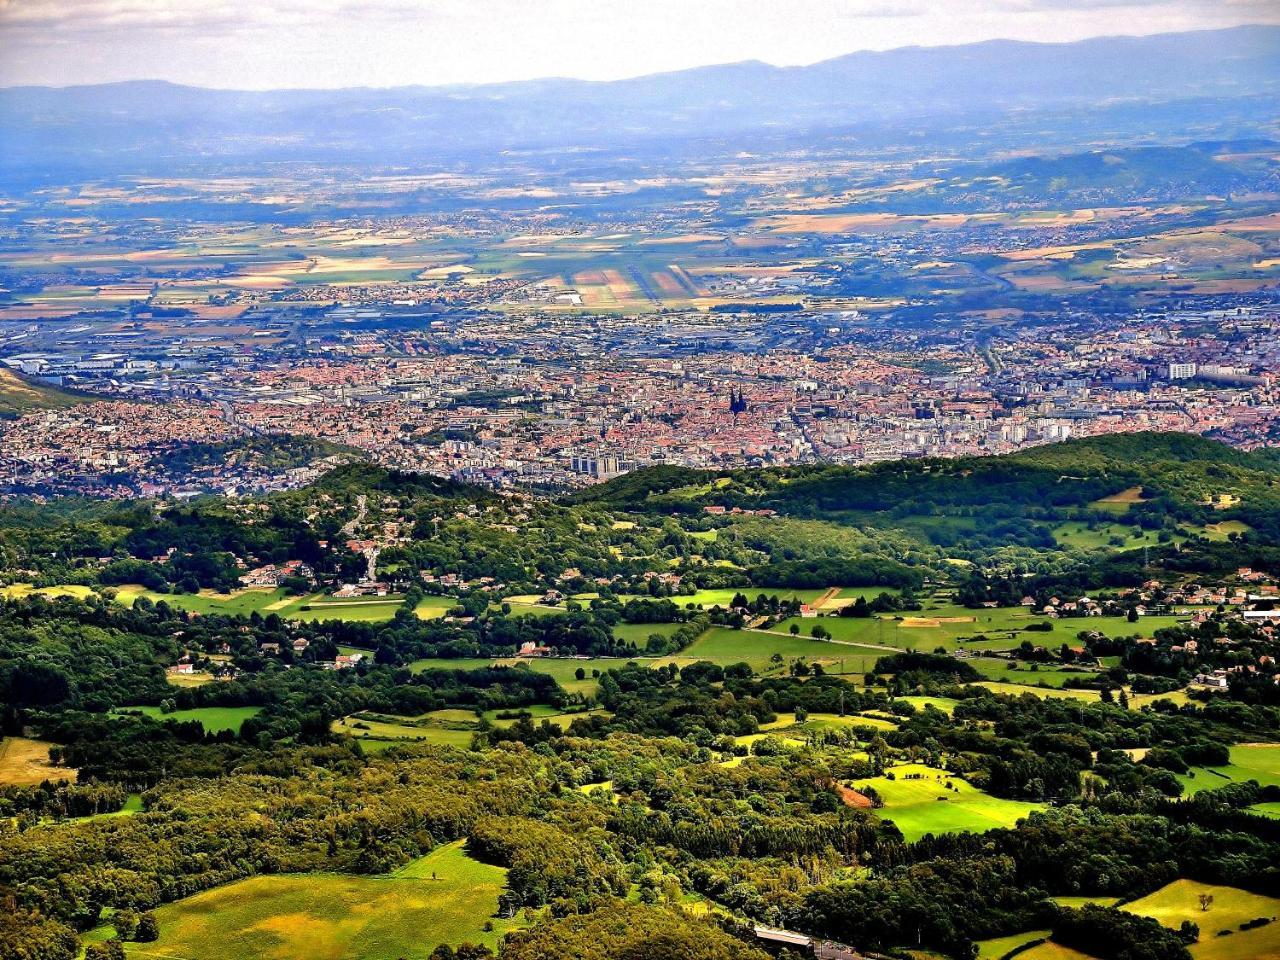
(213, 719)
(924, 805)
(444, 897)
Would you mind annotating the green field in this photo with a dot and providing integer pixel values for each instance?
(1180, 900)
(1170, 906)
(563, 670)
(265, 601)
(444, 897)
(1052, 693)
(725, 646)
(926, 806)
(950, 626)
(945, 704)
(411, 730)
(213, 719)
(638, 633)
(1053, 951)
(18, 590)
(1076, 535)
(355, 610)
(1260, 761)
(432, 608)
(786, 725)
(724, 597)
(998, 947)
(243, 602)
(1030, 674)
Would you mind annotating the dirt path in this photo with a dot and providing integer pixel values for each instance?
(826, 598)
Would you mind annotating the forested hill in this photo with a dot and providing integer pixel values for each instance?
(1180, 471)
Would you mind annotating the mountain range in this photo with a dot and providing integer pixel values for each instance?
(148, 120)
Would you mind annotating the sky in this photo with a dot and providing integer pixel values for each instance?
(270, 44)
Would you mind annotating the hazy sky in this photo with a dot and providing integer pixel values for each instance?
(256, 44)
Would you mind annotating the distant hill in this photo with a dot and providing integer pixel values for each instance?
(151, 122)
(18, 395)
(1186, 471)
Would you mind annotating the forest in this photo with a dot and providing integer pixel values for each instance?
(655, 730)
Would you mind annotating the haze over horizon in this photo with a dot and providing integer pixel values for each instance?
(333, 43)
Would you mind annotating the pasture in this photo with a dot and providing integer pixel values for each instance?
(924, 805)
(1250, 761)
(445, 897)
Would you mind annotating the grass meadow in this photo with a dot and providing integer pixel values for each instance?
(924, 805)
(445, 897)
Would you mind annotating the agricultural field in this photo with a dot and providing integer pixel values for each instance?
(923, 805)
(213, 719)
(445, 897)
(25, 762)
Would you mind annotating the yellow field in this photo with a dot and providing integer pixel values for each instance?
(25, 762)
